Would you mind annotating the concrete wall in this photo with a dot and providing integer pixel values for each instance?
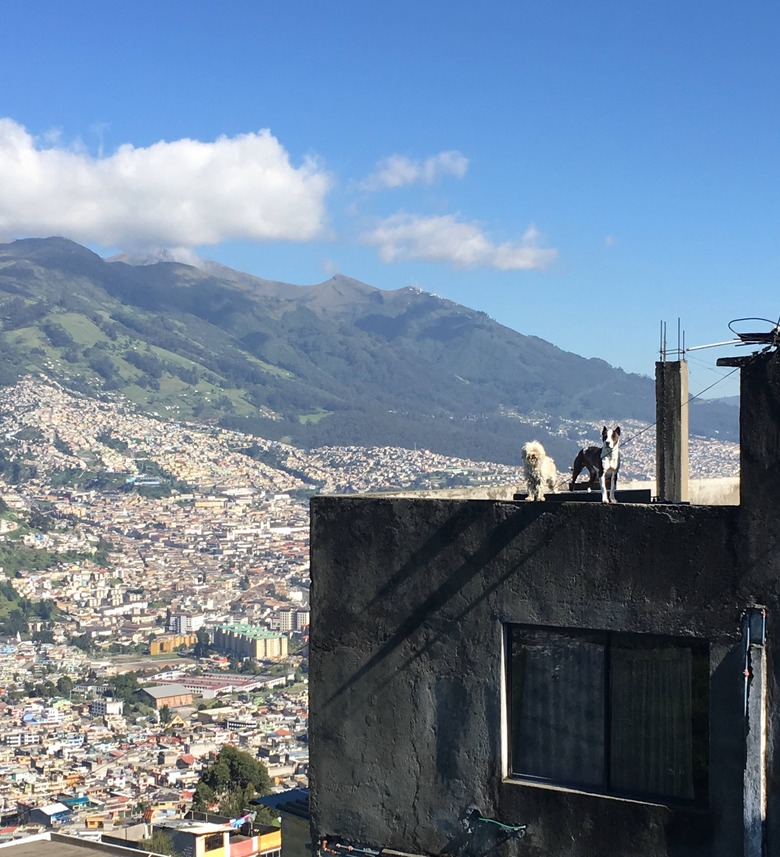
(702, 492)
(409, 603)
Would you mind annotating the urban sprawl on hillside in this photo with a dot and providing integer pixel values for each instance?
(156, 593)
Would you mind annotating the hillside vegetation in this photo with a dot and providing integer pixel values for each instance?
(339, 363)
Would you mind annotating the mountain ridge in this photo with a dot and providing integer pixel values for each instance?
(340, 362)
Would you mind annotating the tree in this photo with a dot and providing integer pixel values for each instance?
(124, 686)
(217, 776)
(39, 521)
(233, 779)
(15, 623)
(236, 801)
(266, 815)
(204, 797)
(160, 842)
(65, 685)
(165, 714)
(83, 642)
(45, 609)
(202, 647)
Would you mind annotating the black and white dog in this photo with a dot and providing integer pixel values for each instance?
(589, 458)
(610, 463)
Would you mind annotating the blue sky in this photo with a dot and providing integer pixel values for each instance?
(579, 171)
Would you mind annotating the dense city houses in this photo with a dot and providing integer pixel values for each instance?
(155, 599)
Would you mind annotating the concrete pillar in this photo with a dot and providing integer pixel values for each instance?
(759, 432)
(671, 433)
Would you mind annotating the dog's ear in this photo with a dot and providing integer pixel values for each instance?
(617, 430)
(604, 433)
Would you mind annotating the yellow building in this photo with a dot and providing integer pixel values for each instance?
(205, 839)
(170, 642)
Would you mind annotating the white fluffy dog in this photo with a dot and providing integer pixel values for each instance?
(541, 475)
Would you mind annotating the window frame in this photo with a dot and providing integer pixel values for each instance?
(701, 651)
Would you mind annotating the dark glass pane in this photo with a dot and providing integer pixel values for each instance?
(557, 706)
(656, 738)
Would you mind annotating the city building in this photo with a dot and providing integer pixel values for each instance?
(50, 843)
(171, 642)
(50, 815)
(170, 695)
(290, 620)
(187, 623)
(104, 706)
(222, 838)
(250, 641)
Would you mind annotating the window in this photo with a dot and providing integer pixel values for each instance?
(612, 713)
(213, 841)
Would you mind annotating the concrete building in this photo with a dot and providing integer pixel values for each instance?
(168, 643)
(283, 620)
(187, 623)
(21, 739)
(171, 695)
(51, 815)
(250, 641)
(52, 844)
(290, 620)
(218, 839)
(567, 679)
(103, 707)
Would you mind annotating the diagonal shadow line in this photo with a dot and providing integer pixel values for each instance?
(458, 524)
(499, 538)
(526, 555)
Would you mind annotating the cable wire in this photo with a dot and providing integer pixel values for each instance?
(512, 827)
(696, 396)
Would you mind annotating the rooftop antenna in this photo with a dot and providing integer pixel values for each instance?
(666, 352)
(769, 338)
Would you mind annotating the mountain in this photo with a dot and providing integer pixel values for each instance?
(338, 363)
(729, 400)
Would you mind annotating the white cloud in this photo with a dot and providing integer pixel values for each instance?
(182, 193)
(406, 237)
(398, 171)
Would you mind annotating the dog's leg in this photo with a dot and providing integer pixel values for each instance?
(613, 485)
(603, 483)
(534, 491)
(576, 468)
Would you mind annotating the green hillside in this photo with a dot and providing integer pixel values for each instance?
(338, 363)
